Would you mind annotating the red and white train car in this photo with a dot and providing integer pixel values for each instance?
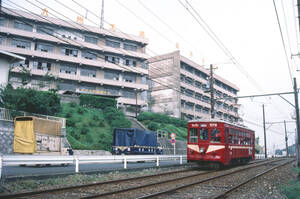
(216, 143)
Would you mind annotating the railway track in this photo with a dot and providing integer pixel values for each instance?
(64, 192)
(150, 186)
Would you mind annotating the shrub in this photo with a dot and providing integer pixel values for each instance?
(30, 100)
(97, 101)
(154, 126)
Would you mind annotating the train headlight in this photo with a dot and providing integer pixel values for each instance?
(201, 150)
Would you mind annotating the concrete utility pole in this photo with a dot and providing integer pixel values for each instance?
(297, 124)
(265, 137)
(286, 140)
(211, 88)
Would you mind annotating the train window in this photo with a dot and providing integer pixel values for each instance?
(193, 135)
(203, 135)
(215, 135)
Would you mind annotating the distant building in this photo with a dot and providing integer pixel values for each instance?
(75, 58)
(6, 59)
(178, 89)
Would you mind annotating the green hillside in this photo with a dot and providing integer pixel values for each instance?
(91, 129)
(156, 121)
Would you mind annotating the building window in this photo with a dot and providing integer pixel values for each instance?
(198, 108)
(129, 62)
(89, 55)
(45, 66)
(189, 80)
(43, 47)
(1, 40)
(91, 39)
(145, 65)
(23, 26)
(24, 64)
(198, 84)
(198, 96)
(113, 44)
(205, 110)
(44, 30)
(128, 94)
(112, 90)
(67, 86)
(130, 47)
(70, 52)
(113, 75)
(129, 78)
(112, 59)
(87, 72)
(21, 44)
(189, 106)
(2, 21)
(189, 92)
(67, 69)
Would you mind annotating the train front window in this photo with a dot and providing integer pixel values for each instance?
(203, 134)
(193, 135)
(215, 135)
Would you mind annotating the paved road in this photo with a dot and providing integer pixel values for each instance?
(17, 171)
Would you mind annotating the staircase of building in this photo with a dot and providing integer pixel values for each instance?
(136, 124)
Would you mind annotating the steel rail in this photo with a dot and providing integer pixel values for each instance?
(32, 193)
(222, 195)
(154, 184)
(202, 181)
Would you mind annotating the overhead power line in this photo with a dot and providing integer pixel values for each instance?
(283, 43)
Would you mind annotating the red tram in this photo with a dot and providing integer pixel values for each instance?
(215, 143)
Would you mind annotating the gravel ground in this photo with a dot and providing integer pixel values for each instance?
(267, 186)
(76, 179)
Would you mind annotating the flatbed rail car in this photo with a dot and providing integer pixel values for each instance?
(216, 143)
(132, 141)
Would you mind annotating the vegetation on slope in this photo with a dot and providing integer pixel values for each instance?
(156, 121)
(91, 129)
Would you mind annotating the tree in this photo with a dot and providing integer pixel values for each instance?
(30, 100)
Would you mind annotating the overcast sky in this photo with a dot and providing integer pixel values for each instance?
(247, 28)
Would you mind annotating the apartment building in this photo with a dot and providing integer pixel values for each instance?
(75, 58)
(179, 88)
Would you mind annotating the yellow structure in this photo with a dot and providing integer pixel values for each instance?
(34, 134)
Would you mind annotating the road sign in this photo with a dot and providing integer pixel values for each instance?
(173, 141)
(173, 135)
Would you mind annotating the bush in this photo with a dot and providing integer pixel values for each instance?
(30, 100)
(154, 126)
(97, 101)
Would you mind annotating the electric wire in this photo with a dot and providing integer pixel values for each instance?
(283, 43)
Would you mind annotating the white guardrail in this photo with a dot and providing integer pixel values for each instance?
(16, 160)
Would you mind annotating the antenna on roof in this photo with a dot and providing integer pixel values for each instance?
(102, 15)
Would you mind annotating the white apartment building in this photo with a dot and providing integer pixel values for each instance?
(178, 89)
(75, 58)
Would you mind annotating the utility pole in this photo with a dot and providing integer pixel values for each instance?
(102, 15)
(298, 124)
(286, 141)
(211, 88)
(265, 137)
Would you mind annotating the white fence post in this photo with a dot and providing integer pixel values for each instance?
(181, 159)
(125, 162)
(157, 161)
(0, 167)
(76, 165)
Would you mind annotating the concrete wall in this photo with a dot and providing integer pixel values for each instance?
(4, 70)
(6, 137)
